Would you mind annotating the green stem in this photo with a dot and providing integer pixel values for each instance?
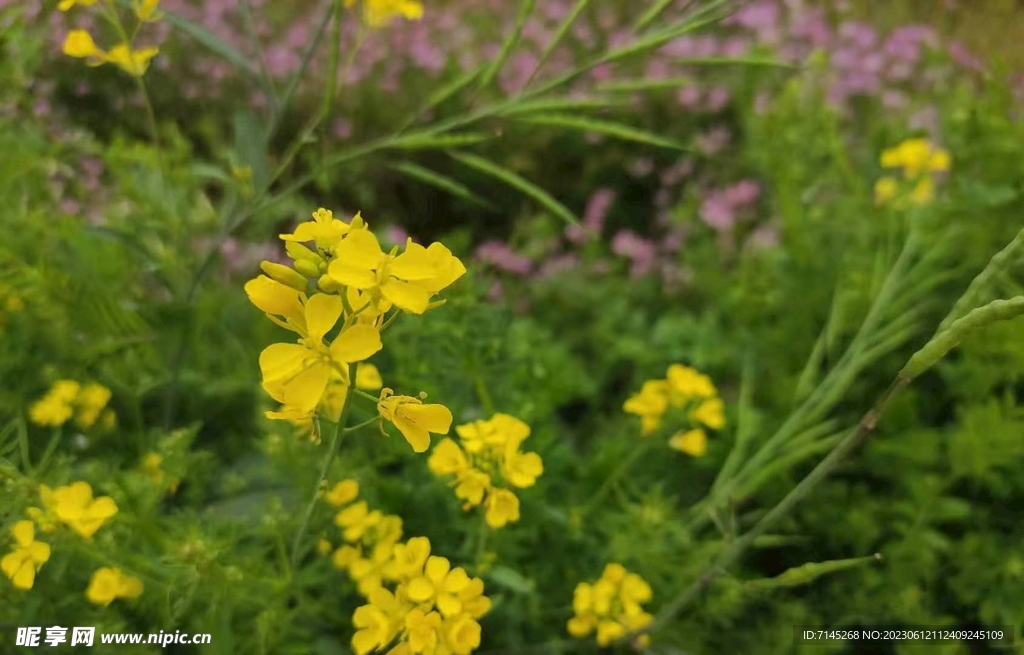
(365, 423)
(481, 541)
(339, 433)
(615, 476)
(360, 392)
(731, 554)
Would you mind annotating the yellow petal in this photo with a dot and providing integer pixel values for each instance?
(356, 343)
(368, 377)
(434, 418)
(414, 264)
(24, 533)
(304, 391)
(322, 312)
(282, 360)
(406, 296)
(79, 43)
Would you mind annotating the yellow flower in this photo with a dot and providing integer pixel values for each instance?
(684, 384)
(378, 13)
(612, 606)
(447, 458)
(74, 506)
(79, 43)
(923, 191)
(323, 546)
(439, 584)
(28, 556)
(376, 624)
(711, 413)
(342, 493)
(521, 469)
(470, 485)
(409, 558)
(407, 280)
(285, 275)
(650, 404)
(692, 442)
(91, 401)
(886, 189)
(146, 10)
(57, 406)
(133, 62)
(421, 630)
(296, 374)
(281, 303)
(414, 419)
(501, 507)
(324, 230)
(357, 519)
(368, 378)
(68, 4)
(108, 584)
(461, 634)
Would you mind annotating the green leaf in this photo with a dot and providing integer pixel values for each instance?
(558, 104)
(510, 579)
(210, 40)
(752, 60)
(525, 9)
(249, 145)
(632, 86)
(444, 93)
(560, 33)
(808, 573)
(601, 126)
(440, 141)
(440, 181)
(516, 181)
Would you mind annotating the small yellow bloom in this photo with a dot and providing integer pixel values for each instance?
(28, 556)
(439, 584)
(692, 442)
(368, 377)
(108, 584)
(886, 189)
(923, 191)
(378, 13)
(91, 401)
(684, 384)
(342, 493)
(501, 507)
(650, 404)
(74, 506)
(414, 419)
(133, 62)
(57, 406)
(146, 10)
(447, 458)
(710, 413)
(611, 607)
(378, 623)
(68, 4)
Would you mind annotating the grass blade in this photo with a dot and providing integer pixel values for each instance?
(443, 182)
(444, 93)
(601, 126)
(428, 141)
(559, 104)
(211, 41)
(563, 29)
(525, 9)
(518, 182)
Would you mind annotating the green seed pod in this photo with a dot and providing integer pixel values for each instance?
(943, 342)
(998, 265)
(284, 275)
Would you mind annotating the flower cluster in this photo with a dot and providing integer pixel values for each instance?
(918, 160)
(613, 606)
(66, 399)
(72, 505)
(370, 537)
(683, 390)
(80, 44)
(433, 609)
(344, 285)
(489, 456)
(152, 467)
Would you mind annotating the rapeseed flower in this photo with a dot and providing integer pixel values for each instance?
(27, 557)
(433, 608)
(80, 44)
(378, 13)
(74, 506)
(918, 161)
(414, 419)
(684, 393)
(611, 607)
(109, 584)
(488, 459)
(67, 399)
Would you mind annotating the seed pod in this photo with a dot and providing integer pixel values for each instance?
(946, 340)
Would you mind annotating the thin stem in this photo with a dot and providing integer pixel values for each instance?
(332, 79)
(824, 468)
(481, 541)
(360, 392)
(358, 426)
(615, 476)
(339, 434)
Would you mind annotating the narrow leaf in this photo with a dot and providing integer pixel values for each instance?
(601, 126)
(525, 9)
(632, 86)
(428, 141)
(511, 579)
(446, 92)
(211, 41)
(518, 182)
(559, 104)
(752, 60)
(560, 33)
(440, 181)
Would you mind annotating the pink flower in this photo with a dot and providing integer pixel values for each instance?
(500, 256)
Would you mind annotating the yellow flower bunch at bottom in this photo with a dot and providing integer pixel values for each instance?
(26, 558)
(918, 160)
(612, 606)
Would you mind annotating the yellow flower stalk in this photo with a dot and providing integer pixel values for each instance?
(109, 584)
(27, 557)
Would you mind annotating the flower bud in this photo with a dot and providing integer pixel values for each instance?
(284, 275)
